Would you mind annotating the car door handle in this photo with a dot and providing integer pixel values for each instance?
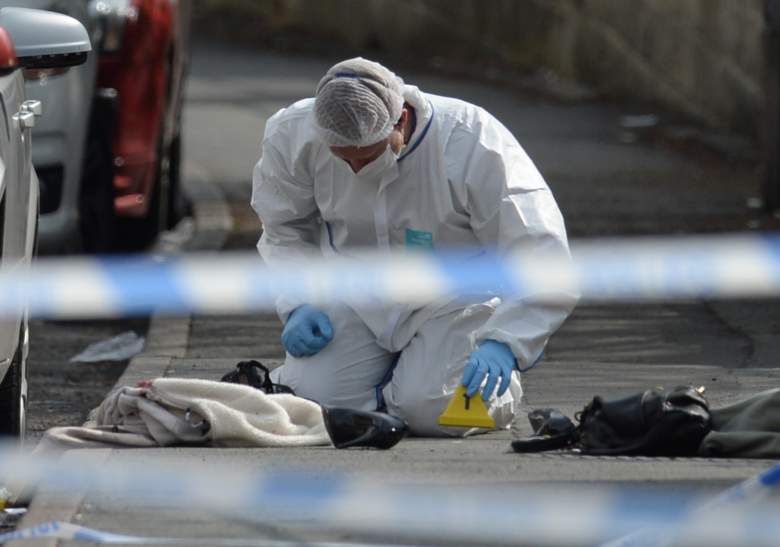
(24, 120)
(32, 106)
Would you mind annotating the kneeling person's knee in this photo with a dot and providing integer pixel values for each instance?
(421, 411)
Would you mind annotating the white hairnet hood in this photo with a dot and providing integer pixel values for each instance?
(358, 102)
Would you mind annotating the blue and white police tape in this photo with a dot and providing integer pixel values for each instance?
(73, 532)
(628, 269)
(750, 491)
(68, 531)
(302, 500)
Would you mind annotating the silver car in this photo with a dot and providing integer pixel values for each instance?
(29, 40)
(60, 138)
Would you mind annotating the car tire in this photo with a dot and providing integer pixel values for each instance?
(13, 393)
(96, 201)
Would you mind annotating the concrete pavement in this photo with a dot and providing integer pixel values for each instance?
(603, 185)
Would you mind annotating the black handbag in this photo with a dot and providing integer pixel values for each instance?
(655, 422)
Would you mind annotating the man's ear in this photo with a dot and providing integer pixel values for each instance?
(404, 119)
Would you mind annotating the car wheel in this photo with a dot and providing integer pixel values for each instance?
(96, 204)
(13, 393)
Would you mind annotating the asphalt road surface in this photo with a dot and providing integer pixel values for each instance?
(62, 393)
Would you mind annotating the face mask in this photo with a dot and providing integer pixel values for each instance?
(379, 166)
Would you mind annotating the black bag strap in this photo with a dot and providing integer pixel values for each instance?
(254, 373)
(552, 431)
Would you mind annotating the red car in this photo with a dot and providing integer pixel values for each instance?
(143, 61)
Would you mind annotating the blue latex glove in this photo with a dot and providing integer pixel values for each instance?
(494, 360)
(307, 331)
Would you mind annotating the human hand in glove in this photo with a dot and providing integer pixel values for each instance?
(493, 360)
(307, 331)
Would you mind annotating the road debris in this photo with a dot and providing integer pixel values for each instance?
(119, 348)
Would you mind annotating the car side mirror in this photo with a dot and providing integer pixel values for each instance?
(44, 39)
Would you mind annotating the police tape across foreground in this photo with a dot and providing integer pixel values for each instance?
(601, 270)
(464, 514)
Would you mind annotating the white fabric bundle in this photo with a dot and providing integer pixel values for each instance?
(175, 411)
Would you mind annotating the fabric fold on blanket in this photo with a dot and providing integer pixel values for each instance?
(178, 411)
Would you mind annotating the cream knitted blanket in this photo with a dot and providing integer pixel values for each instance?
(176, 411)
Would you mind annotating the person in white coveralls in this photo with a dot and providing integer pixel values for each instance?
(370, 162)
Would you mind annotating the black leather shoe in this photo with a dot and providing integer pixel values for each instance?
(348, 428)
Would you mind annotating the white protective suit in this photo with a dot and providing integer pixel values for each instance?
(462, 180)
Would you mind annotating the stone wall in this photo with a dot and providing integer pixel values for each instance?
(703, 57)
(700, 57)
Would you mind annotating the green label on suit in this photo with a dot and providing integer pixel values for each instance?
(416, 239)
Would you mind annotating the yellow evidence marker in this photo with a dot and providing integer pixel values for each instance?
(465, 411)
